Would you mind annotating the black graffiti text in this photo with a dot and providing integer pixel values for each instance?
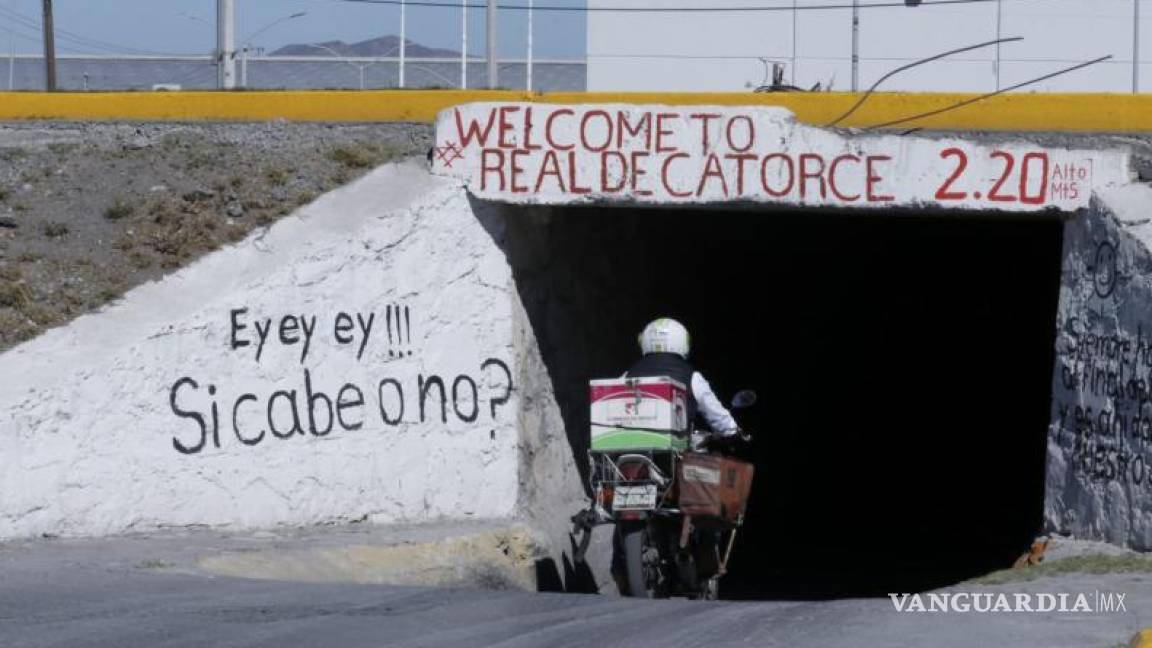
(291, 330)
(312, 410)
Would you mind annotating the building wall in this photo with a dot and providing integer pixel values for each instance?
(720, 51)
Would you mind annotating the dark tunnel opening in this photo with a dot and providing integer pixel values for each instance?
(903, 363)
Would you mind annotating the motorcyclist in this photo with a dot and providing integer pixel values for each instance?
(664, 344)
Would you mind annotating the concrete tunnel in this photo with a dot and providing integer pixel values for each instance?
(902, 359)
(948, 335)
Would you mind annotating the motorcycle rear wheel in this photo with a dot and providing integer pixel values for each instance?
(641, 577)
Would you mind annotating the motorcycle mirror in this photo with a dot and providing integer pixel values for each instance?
(744, 398)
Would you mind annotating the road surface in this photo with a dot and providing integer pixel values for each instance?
(147, 592)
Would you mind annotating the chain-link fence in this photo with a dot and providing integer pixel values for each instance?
(24, 72)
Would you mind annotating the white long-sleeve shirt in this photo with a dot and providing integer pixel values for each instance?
(715, 414)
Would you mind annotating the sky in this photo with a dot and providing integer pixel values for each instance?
(187, 26)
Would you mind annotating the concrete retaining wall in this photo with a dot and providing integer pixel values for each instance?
(363, 359)
(1099, 478)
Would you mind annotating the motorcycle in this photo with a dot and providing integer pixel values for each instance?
(676, 512)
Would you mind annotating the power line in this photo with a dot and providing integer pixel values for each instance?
(79, 39)
(930, 59)
(982, 97)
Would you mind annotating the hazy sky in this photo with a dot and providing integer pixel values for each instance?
(164, 25)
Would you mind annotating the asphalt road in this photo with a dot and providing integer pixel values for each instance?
(112, 593)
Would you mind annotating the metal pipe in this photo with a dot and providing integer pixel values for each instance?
(493, 63)
(463, 44)
(11, 59)
(855, 45)
(1135, 46)
(792, 72)
(49, 48)
(528, 82)
(999, 24)
(403, 38)
(226, 44)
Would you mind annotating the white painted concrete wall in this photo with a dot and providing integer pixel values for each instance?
(93, 443)
(550, 154)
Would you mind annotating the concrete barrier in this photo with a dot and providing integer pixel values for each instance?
(950, 111)
(360, 360)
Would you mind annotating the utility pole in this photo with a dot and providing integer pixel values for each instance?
(403, 37)
(49, 49)
(493, 72)
(855, 45)
(999, 25)
(792, 74)
(1135, 46)
(463, 44)
(11, 60)
(528, 72)
(225, 44)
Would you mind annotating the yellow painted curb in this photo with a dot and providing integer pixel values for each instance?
(1016, 112)
(1142, 639)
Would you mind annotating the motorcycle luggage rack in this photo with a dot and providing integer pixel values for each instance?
(605, 470)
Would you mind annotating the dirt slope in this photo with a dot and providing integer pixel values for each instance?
(88, 211)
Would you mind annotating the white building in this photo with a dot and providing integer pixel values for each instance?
(722, 50)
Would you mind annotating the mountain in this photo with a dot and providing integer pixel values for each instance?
(382, 46)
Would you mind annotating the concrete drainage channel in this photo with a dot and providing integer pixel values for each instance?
(948, 338)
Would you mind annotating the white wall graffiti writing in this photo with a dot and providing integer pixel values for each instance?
(319, 405)
(355, 361)
(1099, 482)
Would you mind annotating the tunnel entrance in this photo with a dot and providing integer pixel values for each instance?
(903, 362)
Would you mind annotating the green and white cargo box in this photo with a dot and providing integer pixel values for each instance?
(639, 414)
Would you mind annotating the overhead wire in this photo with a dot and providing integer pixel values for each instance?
(85, 42)
(967, 102)
(868, 93)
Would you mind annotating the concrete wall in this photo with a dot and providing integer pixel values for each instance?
(1099, 481)
(525, 153)
(365, 358)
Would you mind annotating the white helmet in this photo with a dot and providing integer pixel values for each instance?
(665, 335)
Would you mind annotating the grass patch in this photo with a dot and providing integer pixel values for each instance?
(3, 195)
(54, 230)
(276, 177)
(14, 295)
(62, 148)
(360, 155)
(11, 273)
(39, 313)
(14, 328)
(119, 210)
(179, 235)
(1087, 564)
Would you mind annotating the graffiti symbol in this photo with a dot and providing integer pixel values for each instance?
(448, 153)
(1104, 273)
